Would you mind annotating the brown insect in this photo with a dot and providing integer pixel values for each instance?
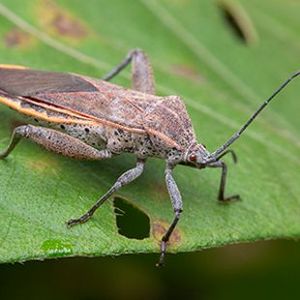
(94, 119)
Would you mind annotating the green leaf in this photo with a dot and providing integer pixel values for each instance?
(224, 58)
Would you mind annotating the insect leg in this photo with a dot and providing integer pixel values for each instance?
(142, 74)
(221, 196)
(54, 141)
(124, 179)
(177, 207)
(14, 140)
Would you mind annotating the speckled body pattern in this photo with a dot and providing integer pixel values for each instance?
(104, 116)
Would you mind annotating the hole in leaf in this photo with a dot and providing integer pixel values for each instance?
(131, 221)
(232, 22)
(238, 20)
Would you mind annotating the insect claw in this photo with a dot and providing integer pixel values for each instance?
(71, 223)
(159, 264)
(84, 218)
(161, 261)
(230, 199)
(74, 222)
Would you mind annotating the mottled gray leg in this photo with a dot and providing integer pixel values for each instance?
(55, 141)
(124, 179)
(177, 207)
(221, 196)
(142, 74)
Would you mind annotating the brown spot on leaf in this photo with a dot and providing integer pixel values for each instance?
(159, 228)
(16, 38)
(68, 27)
(60, 22)
(42, 165)
(188, 72)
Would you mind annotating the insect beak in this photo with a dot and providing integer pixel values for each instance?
(202, 158)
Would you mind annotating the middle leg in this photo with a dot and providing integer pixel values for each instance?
(124, 179)
(221, 195)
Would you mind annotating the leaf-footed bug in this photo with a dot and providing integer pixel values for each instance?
(94, 119)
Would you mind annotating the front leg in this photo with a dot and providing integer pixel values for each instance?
(177, 207)
(221, 195)
(55, 141)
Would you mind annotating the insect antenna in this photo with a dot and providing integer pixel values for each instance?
(218, 153)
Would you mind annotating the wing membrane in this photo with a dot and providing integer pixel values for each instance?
(77, 94)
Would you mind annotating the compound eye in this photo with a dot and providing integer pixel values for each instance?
(193, 157)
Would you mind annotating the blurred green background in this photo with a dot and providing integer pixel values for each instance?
(223, 57)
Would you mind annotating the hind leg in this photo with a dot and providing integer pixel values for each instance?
(55, 141)
(142, 74)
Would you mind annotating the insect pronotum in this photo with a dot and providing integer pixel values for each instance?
(94, 119)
